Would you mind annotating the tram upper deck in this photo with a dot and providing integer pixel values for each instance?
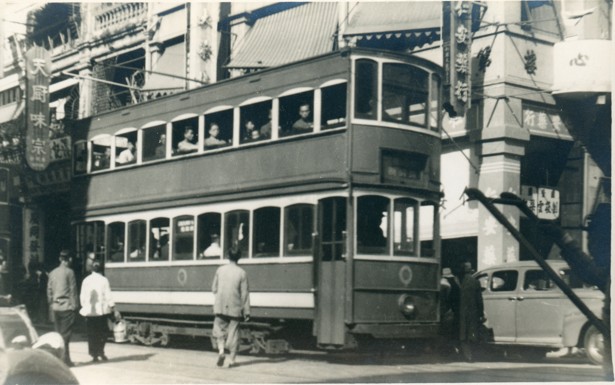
(373, 120)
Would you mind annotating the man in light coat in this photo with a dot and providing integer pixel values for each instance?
(62, 297)
(96, 306)
(231, 306)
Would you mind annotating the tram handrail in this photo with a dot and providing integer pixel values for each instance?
(489, 203)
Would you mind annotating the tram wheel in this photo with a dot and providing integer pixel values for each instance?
(165, 338)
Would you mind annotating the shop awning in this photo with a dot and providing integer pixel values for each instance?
(284, 37)
(172, 62)
(416, 22)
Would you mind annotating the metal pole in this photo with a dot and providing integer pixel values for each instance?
(476, 194)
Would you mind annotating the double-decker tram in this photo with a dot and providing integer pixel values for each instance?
(325, 173)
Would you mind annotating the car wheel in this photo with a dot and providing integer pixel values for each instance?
(594, 345)
(37, 367)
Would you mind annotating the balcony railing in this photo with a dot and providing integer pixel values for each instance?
(114, 15)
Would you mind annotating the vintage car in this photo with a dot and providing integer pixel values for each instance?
(525, 308)
(26, 358)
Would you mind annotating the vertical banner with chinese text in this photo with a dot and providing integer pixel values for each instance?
(38, 73)
(457, 53)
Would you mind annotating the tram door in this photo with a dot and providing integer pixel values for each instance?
(330, 271)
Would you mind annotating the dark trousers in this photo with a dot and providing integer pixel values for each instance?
(64, 321)
(97, 335)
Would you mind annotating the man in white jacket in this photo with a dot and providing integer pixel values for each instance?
(96, 306)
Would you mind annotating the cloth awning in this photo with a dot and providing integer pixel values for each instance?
(417, 22)
(284, 37)
(172, 62)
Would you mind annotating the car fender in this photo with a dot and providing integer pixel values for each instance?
(29, 366)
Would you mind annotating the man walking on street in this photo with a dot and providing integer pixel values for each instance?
(471, 312)
(62, 296)
(231, 306)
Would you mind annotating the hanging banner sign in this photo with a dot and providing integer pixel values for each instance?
(544, 202)
(457, 53)
(38, 73)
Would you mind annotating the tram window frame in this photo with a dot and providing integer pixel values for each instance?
(154, 139)
(209, 226)
(121, 146)
(366, 89)
(260, 115)
(333, 228)
(89, 237)
(333, 106)
(137, 231)
(367, 211)
(225, 120)
(266, 225)
(80, 157)
(288, 112)
(427, 228)
(298, 229)
(179, 129)
(232, 218)
(120, 238)
(159, 246)
(401, 245)
(395, 87)
(100, 159)
(183, 238)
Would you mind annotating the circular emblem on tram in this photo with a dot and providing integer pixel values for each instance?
(405, 275)
(182, 276)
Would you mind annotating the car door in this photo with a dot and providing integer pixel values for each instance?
(500, 304)
(541, 308)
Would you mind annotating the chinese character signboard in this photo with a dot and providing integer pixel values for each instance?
(457, 51)
(582, 66)
(38, 72)
(544, 202)
(544, 122)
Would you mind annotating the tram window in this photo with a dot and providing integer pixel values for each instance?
(209, 235)
(333, 228)
(403, 227)
(405, 93)
(183, 238)
(237, 231)
(296, 114)
(154, 143)
(334, 106)
(185, 136)
(426, 228)
(101, 153)
(255, 122)
(126, 149)
(434, 103)
(266, 232)
(89, 238)
(372, 225)
(366, 89)
(298, 228)
(115, 241)
(80, 157)
(159, 239)
(219, 127)
(136, 241)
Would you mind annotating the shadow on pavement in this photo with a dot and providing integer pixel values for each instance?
(134, 357)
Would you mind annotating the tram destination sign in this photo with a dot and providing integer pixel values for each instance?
(38, 71)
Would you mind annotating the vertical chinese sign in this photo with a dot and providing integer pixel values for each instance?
(457, 53)
(38, 73)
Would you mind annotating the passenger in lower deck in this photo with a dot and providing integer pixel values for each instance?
(213, 250)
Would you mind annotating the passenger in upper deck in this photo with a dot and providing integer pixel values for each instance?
(186, 146)
(265, 130)
(212, 141)
(127, 155)
(304, 123)
(161, 149)
(249, 131)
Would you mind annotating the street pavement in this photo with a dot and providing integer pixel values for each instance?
(193, 362)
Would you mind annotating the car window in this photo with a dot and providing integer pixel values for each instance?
(504, 280)
(537, 280)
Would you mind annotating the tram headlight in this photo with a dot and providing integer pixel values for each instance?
(406, 305)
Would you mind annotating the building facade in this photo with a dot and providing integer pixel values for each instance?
(511, 139)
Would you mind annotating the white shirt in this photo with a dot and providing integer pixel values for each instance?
(213, 250)
(126, 156)
(95, 296)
